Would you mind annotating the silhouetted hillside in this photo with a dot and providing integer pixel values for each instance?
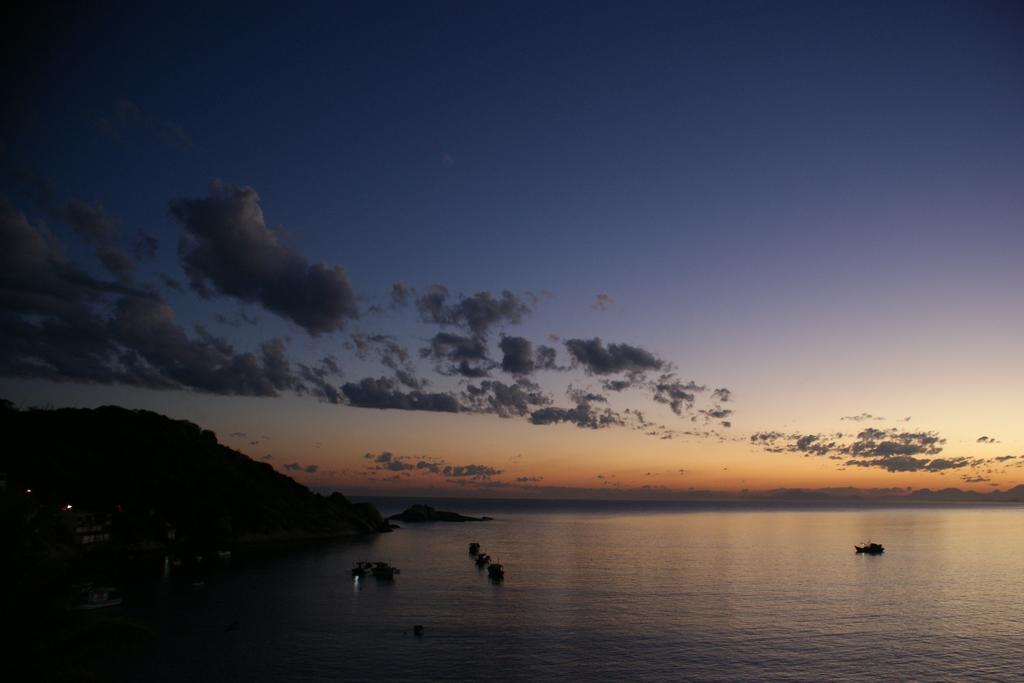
(155, 473)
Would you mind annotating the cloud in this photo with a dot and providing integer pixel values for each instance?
(296, 467)
(36, 277)
(546, 358)
(384, 393)
(678, 395)
(596, 359)
(401, 294)
(474, 471)
(721, 395)
(862, 417)
(716, 413)
(161, 350)
(391, 355)
(227, 249)
(458, 355)
(986, 439)
(889, 449)
(91, 222)
(584, 414)
(884, 443)
(388, 461)
(505, 400)
(603, 302)
(517, 358)
(476, 313)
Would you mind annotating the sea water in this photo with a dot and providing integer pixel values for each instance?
(611, 592)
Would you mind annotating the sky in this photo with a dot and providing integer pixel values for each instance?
(528, 249)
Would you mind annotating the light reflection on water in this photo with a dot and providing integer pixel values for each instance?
(663, 595)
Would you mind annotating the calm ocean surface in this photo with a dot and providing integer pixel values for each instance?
(613, 592)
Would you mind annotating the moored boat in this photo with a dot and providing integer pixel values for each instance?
(496, 572)
(870, 548)
(383, 570)
(87, 596)
(482, 559)
(474, 548)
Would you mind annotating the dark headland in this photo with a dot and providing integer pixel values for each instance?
(102, 494)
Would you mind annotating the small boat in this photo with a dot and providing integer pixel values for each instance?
(870, 548)
(361, 568)
(474, 548)
(383, 570)
(482, 559)
(496, 572)
(87, 596)
(224, 554)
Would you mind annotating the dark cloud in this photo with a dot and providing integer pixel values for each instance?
(861, 418)
(525, 480)
(505, 400)
(458, 355)
(161, 350)
(517, 358)
(476, 313)
(717, 413)
(228, 249)
(985, 439)
(296, 467)
(616, 384)
(546, 358)
(91, 222)
(316, 380)
(721, 395)
(473, 471)
(616, 358)
(584, 414)
(401, 294)
(388, 461)
(390, 353)
(678, 395)
(396, 463)
(384, 393)
(888, 449)
(59, 323)
(888, 442)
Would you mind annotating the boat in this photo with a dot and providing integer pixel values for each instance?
(482, 559)
(361, 568)
(496, 572)
(86, 596)
(870, 548)
(383, 570)
(474, 548)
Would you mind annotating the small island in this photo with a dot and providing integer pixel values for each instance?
(425, 513)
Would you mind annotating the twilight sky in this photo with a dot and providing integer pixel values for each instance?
(529, 248)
